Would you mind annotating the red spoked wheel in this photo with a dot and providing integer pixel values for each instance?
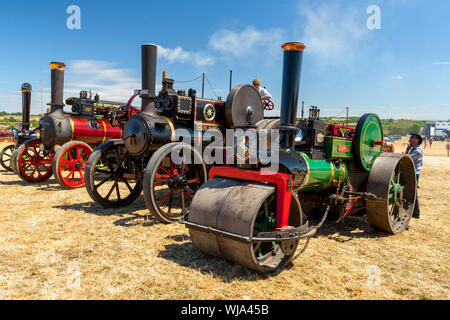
(69, 164)
(268, 104)
(170, 185)
(34, 164)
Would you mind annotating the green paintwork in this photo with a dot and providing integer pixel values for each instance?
(321, 174)
(371, 131)
(338, 148)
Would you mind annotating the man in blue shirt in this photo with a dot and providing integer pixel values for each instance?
(416, 154)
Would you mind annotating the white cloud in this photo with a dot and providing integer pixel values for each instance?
(247, 42)
(102, 77)
(397, 77)
(443, 62)
(182, 56)
(332, 31)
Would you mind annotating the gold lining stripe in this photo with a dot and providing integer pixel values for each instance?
(104, 128)
(332, 172)
(172, 129)
(73, 128)
(307, 167)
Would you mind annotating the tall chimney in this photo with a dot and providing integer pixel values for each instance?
(26, 105)
(57, 78)
(292, 67)
(149, 54)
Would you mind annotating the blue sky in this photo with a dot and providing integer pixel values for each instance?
(399, 71)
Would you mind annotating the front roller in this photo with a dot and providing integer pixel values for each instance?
(239, 211)
(392, 180)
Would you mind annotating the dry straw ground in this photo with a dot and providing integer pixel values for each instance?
(57, 244)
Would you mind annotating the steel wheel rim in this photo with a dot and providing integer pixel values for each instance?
(73, 161)
(174, 184)
(6, 163)
(32, 159)
(106, 171)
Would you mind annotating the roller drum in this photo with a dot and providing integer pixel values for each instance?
(234, 206)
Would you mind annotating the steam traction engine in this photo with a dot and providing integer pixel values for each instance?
(119, 169)
(65, 140)
(254, 217)
(22, 135)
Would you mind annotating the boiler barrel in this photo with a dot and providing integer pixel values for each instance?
(322, 174)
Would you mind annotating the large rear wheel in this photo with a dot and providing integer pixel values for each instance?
(5, 156)
(392, 180)
(169, 186)
(112, 178)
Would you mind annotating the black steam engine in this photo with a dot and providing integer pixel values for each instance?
(169, 122)
(64, 140)
(255, 217)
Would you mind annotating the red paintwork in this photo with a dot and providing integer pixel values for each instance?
(334, 129)
(281, 180)
(67, 164)
(378, 143)
(33, 158)
(83, 132)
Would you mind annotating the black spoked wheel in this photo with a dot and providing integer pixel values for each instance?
(5, 157)
(112, 179)
(171, 182)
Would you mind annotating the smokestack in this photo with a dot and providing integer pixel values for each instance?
(292, 67)
(57, 78)
(149, 53)
(26, 105)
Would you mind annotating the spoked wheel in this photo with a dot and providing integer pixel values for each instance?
(243, 208)
(32, 163)
(393, 180)
(268, 104)
(69, 164)
(5, 156)
(112, 178)
(13, 162)
(170, 185)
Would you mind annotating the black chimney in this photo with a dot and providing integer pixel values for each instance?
(149, 55)
(292, 67)
(57, 78)
(26, 106)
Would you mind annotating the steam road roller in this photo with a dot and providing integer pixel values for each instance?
(66, 139)
(256, 216)
(21, 134)
(171, 123)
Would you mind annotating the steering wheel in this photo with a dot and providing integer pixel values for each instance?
(268, 104)
(131, 111)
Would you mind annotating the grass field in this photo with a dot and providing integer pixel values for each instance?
(57, 244)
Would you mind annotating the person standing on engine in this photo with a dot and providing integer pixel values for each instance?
(262, 91)
(416, 154)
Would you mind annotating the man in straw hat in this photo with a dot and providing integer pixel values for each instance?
(262, 91)
(416, 153)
